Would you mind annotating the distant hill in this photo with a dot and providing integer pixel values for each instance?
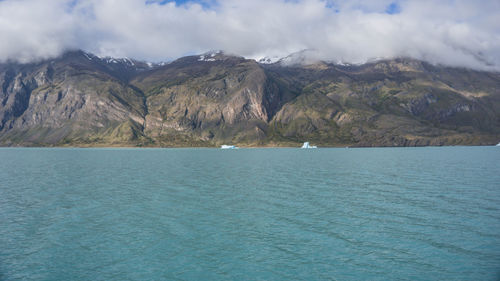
(206, 100)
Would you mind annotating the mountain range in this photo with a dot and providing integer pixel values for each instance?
(79, 99)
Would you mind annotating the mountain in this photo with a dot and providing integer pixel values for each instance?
(215, 98)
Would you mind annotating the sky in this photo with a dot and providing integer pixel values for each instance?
(461, 33)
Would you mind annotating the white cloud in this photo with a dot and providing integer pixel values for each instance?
(452, 32)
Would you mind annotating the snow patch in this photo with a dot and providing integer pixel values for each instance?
(205, 58)
(209, 56)
(131, 62)
(342, 63)
(269, 60)
(87, 56)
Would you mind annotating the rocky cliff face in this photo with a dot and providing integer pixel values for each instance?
(71, 99)
(80, 99)
(223, 99)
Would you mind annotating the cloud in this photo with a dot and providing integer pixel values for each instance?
(452, 32)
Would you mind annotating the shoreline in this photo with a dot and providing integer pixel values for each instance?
(241, 147)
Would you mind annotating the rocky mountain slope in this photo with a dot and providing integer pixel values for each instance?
(80, 99)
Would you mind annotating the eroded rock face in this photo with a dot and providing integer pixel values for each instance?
(220, 98)
(14, 97)
(49, 102)
(418, 105)
(80, 99)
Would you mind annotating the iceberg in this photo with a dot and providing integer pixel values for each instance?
(498, 144)
(225, 146)
(306, 145)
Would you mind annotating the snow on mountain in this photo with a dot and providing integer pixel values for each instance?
(209, 56)
(304, 57)
(123, 62)
(269, 60)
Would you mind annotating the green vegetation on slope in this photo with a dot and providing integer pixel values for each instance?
(74, 100)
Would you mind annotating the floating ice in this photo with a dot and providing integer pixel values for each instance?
(306, 145)
(225, 146)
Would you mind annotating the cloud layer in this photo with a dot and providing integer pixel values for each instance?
(452, 32)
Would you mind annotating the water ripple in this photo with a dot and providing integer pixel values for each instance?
(250, 214)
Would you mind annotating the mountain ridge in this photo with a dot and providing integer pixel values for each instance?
(79, 99)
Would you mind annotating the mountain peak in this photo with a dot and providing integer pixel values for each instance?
(269, 59)
(215, 98)
(210, 56)
(216, 55)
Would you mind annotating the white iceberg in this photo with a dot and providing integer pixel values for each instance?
(225, 146)
(498, 144)
(306, 145)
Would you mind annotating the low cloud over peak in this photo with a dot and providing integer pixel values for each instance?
(457, 33)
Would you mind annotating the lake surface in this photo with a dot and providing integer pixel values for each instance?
(250, 214)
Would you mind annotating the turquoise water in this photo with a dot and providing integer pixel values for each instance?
(250, 214)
